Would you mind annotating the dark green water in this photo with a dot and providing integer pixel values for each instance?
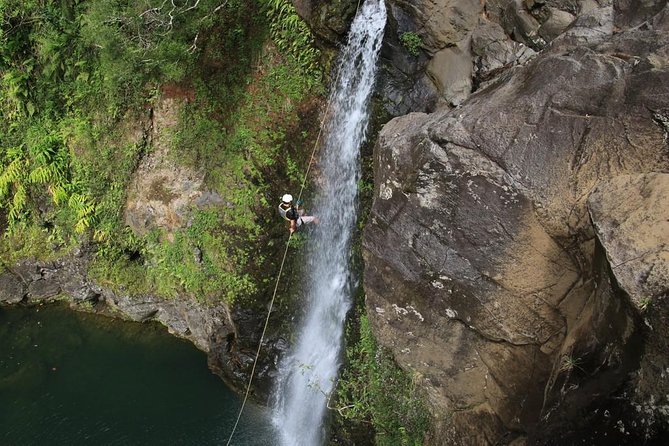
(68, 378)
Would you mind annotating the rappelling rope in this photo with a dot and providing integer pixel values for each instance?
(283, 261)
(278, 277)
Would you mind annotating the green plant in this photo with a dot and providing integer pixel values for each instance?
(41, 166)
(412, 42)
(23, 242)
(200, 260)
(373, 388)
(293, 171)
(569, 363)
(86, 305)
(297, 240)
(291, 34)
(644, 303)
(76, 80)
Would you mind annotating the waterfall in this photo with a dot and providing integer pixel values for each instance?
(308, 373)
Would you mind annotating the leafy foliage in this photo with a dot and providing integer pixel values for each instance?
(75, 73)
(42, 166)
(291, 34)
(26, 242)
(412, 42)
(374, 388)
(149, 40)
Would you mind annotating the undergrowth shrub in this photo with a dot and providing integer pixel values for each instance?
(374, 389)
(75, 75)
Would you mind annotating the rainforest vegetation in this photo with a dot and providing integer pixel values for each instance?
(78, 76)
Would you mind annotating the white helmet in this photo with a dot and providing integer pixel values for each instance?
(287, 198)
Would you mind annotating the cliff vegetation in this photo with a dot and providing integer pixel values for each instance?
(97, 96)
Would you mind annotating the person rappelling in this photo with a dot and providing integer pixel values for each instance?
(294, 214)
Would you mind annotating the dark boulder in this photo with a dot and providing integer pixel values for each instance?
(43, 290)
(12, 289)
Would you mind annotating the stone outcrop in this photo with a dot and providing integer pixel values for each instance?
(631, 218)
(328, 20)
(465, 44)
(66, 279)
(485, 274)
(630, 214)
(12, 289)
(493, 52)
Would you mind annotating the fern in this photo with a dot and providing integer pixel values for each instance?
(291, 34)
(12, 173)
(45, 163)
(84, 211)
(58, 194)
(17, 205)
(41, 175)
(17, 88)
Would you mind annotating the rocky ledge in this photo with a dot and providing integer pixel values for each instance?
(228, 335)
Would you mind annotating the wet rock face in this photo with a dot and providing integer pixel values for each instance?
(329, 20)
(484, 272)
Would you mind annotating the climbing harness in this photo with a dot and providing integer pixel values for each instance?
(289, 214)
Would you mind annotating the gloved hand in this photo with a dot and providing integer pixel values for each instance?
(298, 203)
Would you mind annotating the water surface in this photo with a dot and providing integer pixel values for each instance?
(69, 378)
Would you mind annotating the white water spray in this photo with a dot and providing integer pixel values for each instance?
(308, 373)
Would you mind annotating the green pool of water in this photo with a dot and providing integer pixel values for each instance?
(69, 378)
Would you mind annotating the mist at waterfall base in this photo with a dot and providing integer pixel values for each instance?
(73, 379)
(308, 373)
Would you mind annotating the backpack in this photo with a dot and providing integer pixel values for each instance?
(291, 214)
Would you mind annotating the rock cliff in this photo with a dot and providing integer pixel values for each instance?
(516, 253)
(465, 44)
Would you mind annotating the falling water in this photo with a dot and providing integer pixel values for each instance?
(308, 373)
